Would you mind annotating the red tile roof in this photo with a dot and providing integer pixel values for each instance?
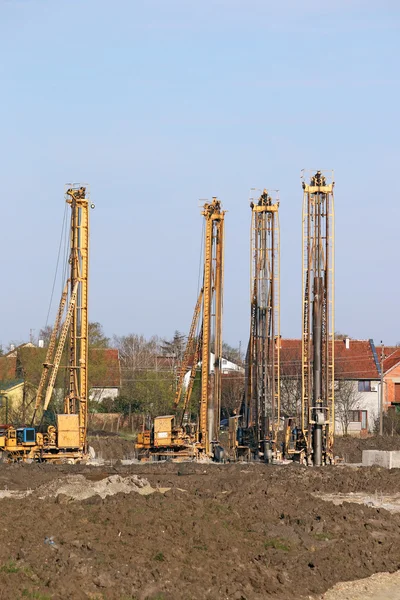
(392, 357)
(356, 362)
(104, 367)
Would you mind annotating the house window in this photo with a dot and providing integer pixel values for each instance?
(359, 416)
(224, 361)
(364, 386)
(354, 416)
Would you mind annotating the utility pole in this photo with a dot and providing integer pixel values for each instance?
(381, 394)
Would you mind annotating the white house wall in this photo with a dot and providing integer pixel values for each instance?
(100, 394)
(368, 401)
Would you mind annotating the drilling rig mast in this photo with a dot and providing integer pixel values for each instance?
(68, 439)
(210, 400)
(317, 408)
(257, 429)
(173, 436)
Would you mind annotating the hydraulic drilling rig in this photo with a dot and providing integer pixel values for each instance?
(311, 441)
(173, 436)
(254, 432)
(66, 441)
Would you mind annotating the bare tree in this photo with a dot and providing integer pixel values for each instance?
(291, 395)
(290, 383)
(137, 352)
(45, 335)
(174, 347)
(231, 353)
(231, 393)
(347, 398)
(145, 388)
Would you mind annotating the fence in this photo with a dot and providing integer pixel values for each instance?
(115, 422)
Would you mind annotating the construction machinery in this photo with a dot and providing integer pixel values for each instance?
(66, 441)
(175, 436)
(310, 439)
(254, 432)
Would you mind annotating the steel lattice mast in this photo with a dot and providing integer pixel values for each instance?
(76, 400)
(318, 417)
(262, 393)
(210, 400)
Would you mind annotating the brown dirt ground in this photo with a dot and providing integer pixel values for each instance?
(350, 448)
(237, 532)
(109, 446)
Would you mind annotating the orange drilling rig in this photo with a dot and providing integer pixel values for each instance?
(174, 436)
(67, 440)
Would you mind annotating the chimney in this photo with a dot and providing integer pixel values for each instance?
(347, 343)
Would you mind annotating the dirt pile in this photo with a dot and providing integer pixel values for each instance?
(350, 448)
(383, 586)
(78, 487)
(237, 532)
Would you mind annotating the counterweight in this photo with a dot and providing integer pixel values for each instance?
(317, 418)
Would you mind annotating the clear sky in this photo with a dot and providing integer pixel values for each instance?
(159, 103)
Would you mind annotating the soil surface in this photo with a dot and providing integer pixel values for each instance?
(350, 448)
(201, 531)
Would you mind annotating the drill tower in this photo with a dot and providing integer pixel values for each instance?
(317, 408)
(210, 400)
(261, 408)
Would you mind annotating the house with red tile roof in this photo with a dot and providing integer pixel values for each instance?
(104, 373)
(391, 376)
(357, 383)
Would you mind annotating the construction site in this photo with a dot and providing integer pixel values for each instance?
(263, 506)
(199, 379)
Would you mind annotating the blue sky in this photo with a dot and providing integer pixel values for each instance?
(158, 104)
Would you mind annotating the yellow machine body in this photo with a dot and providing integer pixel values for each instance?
(68, 431)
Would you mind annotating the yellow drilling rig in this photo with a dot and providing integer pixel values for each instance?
(310, 438)
(253, 433)
(174, 436)
(67, 440)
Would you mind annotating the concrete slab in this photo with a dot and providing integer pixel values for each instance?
(389, 459)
